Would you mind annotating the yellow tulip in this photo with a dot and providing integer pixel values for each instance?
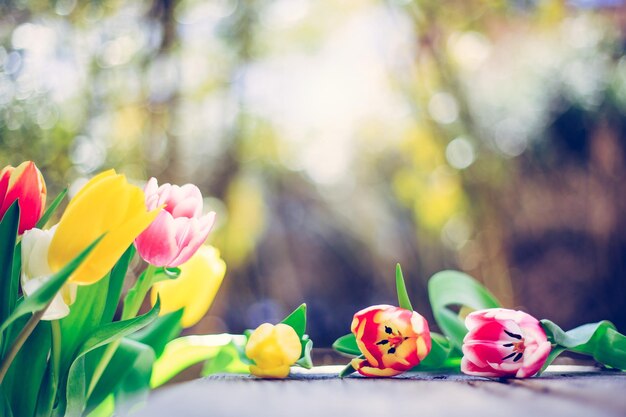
(106, 204)
(195, 288)
(273, 349)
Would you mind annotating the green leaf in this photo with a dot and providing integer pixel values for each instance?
(347, 345)
(8, 285)
(105, 409)
(348, 369)
(403, 296)
(116, 283)
(77, 381)
(26, 374)
(47, 392)
(181, 353)
(127, 375)
(160, 332)
(297, 320)
(5, 407)
(133, 390)
(91, 309)
(229, 359)
(454, 288)
(84, 318)
(305, 360)
(42, 296)
(441, 355)
(600, 340)
(164, 274)
(51, 209)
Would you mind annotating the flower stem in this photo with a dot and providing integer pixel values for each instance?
(21, 339)
(132, 304)
(56, 347)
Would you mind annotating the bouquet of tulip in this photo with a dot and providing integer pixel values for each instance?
(481, 339)
(65, 349)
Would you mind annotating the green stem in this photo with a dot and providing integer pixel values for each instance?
(56, 347)
(21, 339)
(132, 304)
(135, 296)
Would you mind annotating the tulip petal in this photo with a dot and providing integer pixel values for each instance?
(157, 244)
(107, 204)
(195, 288)
(191, 236)
(26, 184)
(5, 176)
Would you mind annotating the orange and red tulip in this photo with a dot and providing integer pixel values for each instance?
(392, 339)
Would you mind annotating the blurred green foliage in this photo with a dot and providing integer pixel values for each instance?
(336, 138)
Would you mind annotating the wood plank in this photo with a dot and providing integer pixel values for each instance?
(321, 393)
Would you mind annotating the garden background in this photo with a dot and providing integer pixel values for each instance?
(338, 137)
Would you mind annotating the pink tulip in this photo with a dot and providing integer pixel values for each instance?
(25, 184)
(179, 229)
(503, 343)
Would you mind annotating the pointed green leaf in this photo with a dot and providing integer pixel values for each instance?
(229, 359)
(600, 340)
(181, 353)
(160, 332)
(8, 235)
(347, 345)
(403, 296)
(348, 369)
(297, 320)
(116, 283)
(455, 288)
(22, 387)
(441, 356)
(76, 380)
(305, 360)
(51, 209)
(5, 407)
(42, 296)
(127, 374)
(84, 318)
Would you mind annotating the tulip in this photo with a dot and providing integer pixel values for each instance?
(107, 205)
(273, 349)
(195, 288)
(25, 184)
(179, 230)
(36, 271)
(503, 343)
(392, 339)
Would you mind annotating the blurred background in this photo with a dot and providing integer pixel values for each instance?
(335, 138)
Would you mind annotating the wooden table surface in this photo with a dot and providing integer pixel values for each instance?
(561, 391)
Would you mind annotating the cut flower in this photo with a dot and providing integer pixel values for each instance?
(503, 343)
(392, 339)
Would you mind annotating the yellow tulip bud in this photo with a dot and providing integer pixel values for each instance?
(106, 204)
(273, 349)
(195, 288)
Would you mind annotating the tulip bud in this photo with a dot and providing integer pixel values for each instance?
(36, 271)
(392, 339)
(273, 349)
(25, 184)
(503, 343)
(179, 229)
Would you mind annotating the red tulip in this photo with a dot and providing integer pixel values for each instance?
(503, 343)
(392, 339)
(179, 229)
(25, 184)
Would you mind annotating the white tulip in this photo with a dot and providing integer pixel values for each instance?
(36, 272)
